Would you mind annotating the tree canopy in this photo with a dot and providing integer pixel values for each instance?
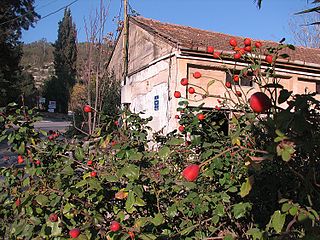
(15, 15)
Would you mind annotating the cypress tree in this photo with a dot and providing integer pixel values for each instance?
(65, 58)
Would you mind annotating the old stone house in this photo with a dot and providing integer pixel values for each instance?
(161, 54)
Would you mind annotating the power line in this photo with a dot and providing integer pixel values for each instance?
(58, 10)
(23, 15)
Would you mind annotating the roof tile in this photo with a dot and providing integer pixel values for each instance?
(197, 39)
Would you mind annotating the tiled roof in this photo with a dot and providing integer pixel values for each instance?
(196, 39)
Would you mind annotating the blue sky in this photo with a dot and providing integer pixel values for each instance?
(236, 17)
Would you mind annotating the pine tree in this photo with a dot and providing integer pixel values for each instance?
(15, 15)
(65, 58)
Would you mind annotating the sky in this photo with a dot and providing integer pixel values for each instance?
(235, 17)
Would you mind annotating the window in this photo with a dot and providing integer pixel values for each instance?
(318, 87)
(245, 81)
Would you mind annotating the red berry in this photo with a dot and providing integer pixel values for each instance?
(233, 42)
(184, 81)
(113, 143)
(89, 162)
(93, 174)
(228, 84)
(258, 44)
(239, 94)
(236, 78)
(247, 48)
(191, 172)
(87, 109)
(269, 59)
(181, 128)
(191, 90)
(115, 226)
(20, 159)
(237, 56)
(176, 117)
(37, 162)
(201, 116)
(210, 49)
(74, 233)
(177, 94)
(197, 75)
(51, 137)
(260, 102)
(116, 123)
(247, 41)
(18, 202)
(217, 108)
(53, 217)
(216, 55)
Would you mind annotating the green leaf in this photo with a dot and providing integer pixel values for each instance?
(158, 219)
(256, 233)
(277, 221)
(21, 148)
(55, 229)
(131, 171)
(293, 211)
(285, 151)
(79, 154)
(95, 184)
(215, 219)
(130, 201)
(302, 217)
(219, 210)
(139, 202)
(164, 152)
(246, 186)
(187, 230)
(290, 46)
(228, 237)
(136, 156)
(175, 141)
(42, 200)
(68, 171)
(148, 236)
(286, 207)
(240, 209)
(172, 211)
(284, 55)
(284, 95)
(81, 183)
(3, 138)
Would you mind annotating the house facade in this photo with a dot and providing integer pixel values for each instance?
(161, 54)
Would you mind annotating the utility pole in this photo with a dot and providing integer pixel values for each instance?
(125, 41)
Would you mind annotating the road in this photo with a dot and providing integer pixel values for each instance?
(7, 157)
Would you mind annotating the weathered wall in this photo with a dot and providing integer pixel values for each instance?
(150, 91)
(144, 48)
(211, 72)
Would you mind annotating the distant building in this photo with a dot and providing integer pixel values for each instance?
(161, 54)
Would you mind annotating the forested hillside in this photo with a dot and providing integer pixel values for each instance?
(37, 59)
